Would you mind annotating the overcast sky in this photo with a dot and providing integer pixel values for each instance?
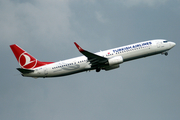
(144, 89)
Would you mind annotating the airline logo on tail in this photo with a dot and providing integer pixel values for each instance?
(26, 61)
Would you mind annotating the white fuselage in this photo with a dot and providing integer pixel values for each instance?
(80, 64)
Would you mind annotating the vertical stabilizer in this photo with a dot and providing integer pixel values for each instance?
(25, 60)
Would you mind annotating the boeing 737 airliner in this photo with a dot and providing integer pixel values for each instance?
(103, 60)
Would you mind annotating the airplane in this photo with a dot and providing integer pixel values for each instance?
(103, 60)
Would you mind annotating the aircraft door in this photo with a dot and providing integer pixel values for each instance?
(158, 44)
(45, 71)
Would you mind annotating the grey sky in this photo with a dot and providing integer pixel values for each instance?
(143, 89)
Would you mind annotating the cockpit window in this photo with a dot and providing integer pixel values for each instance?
(165, 41)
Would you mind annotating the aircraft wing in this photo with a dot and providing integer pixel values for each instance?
(93, 58)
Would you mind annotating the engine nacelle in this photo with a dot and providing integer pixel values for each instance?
(111, 67)
(115, 60)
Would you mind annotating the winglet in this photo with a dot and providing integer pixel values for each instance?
(78, 47)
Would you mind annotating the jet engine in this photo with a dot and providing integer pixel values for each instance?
(115, 60)
(114, 63)
(111, 67)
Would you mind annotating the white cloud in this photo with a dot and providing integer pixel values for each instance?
(41, 20)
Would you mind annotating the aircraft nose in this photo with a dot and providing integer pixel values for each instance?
(173, 44)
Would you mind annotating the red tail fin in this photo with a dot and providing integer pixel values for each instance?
(26, 60)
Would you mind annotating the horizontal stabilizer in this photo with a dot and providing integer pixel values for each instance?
(25, 71)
